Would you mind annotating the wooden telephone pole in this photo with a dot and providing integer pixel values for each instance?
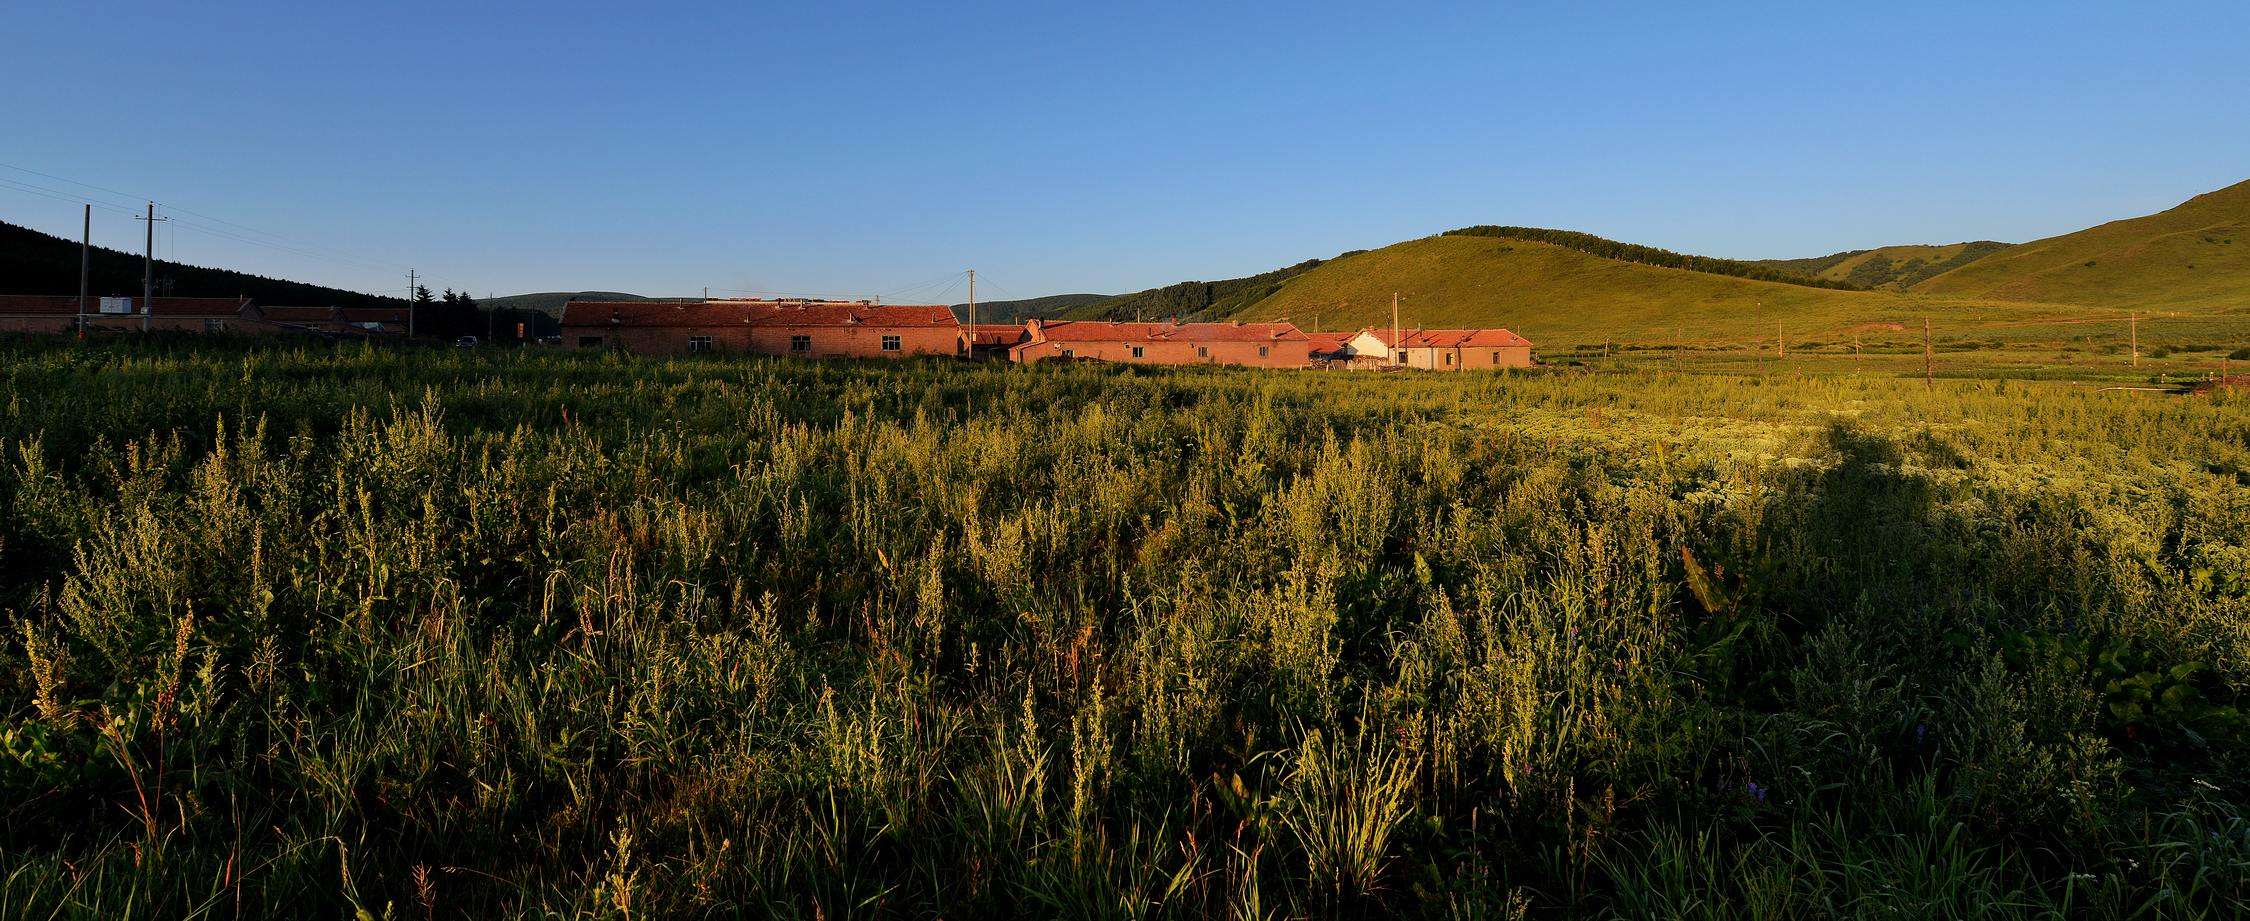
(1398, 346)
(1926, 375)
(2133, 326)
(1780, 349)
(148, 268)
(85, 266)
(972, 313)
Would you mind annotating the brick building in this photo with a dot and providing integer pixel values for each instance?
(1443, 349)
(1257, 345)
(40, 313)
(801, 328)
(338, 321)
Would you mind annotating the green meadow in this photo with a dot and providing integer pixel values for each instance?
(357, 633)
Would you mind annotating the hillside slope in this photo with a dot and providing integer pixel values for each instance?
(1896, 268)
(1012, 311)
(2194, 257)
(1555, 296)
(1196, 300)
(36, 263)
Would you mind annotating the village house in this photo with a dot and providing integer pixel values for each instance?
(39, 313)
(1258, 345)
(993, 340)
(800, 328)
(338, 321)
(1442, 349)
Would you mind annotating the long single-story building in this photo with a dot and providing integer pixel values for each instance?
(1442, 349)
(1259, 345)
(61, 313)
(802, 328)
(338, 321)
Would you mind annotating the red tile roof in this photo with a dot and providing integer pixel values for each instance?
(372, 314)
(755, 313)
(1452, 338)
(67, 304)
(1103, 331)
(1329, 342)
(297, 314)
(991, 334)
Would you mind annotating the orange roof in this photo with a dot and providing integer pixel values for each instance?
(1103, 331)
(67, 304)
(372, 314)
(755, 313)
(990, 334)
(1329, 342)
(297, 314)
(1451, 338)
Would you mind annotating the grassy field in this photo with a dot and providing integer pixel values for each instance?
(311, 633)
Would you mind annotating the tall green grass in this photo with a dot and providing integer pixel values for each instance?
(320, 633)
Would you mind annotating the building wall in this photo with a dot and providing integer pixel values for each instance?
(656, 340)
(857, 341)
(124, 323)
(1294, 354)
(827, 341)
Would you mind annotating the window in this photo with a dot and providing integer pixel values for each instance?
(1202, 351)
(214, 326)
(800, 343)
(698, 343)
(890, 343)
(589, 342)
(1402, 356)
(1137, 353)
(1496, 358)
(1261, 351)
(1070, 353)
(1449, 358)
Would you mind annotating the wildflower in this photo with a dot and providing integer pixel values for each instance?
(1756, 792)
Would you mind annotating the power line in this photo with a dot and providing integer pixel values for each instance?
(285, 243)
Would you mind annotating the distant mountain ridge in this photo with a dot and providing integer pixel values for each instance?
(551, 302)
(32, 262)
(1017, 310)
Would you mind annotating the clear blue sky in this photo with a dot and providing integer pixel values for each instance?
(861, 148)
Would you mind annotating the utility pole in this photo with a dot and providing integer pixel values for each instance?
(1780, 348)
(1398, 345)
(2133, 323)
(85, 266)
(1927, 379)
(412, 286)
(148, 267)
(972, 313)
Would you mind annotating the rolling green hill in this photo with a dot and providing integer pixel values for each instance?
(2193, 257)
(1558, 295)
(1012, 311)
(551, 302)
(36, 263)
(1895, 268)
(1193, 300)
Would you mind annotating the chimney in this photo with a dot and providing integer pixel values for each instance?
(1037, 328)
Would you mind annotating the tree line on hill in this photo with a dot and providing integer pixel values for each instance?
(1648, 255)
(36, 263)
(455, 314)
(1197, 300)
